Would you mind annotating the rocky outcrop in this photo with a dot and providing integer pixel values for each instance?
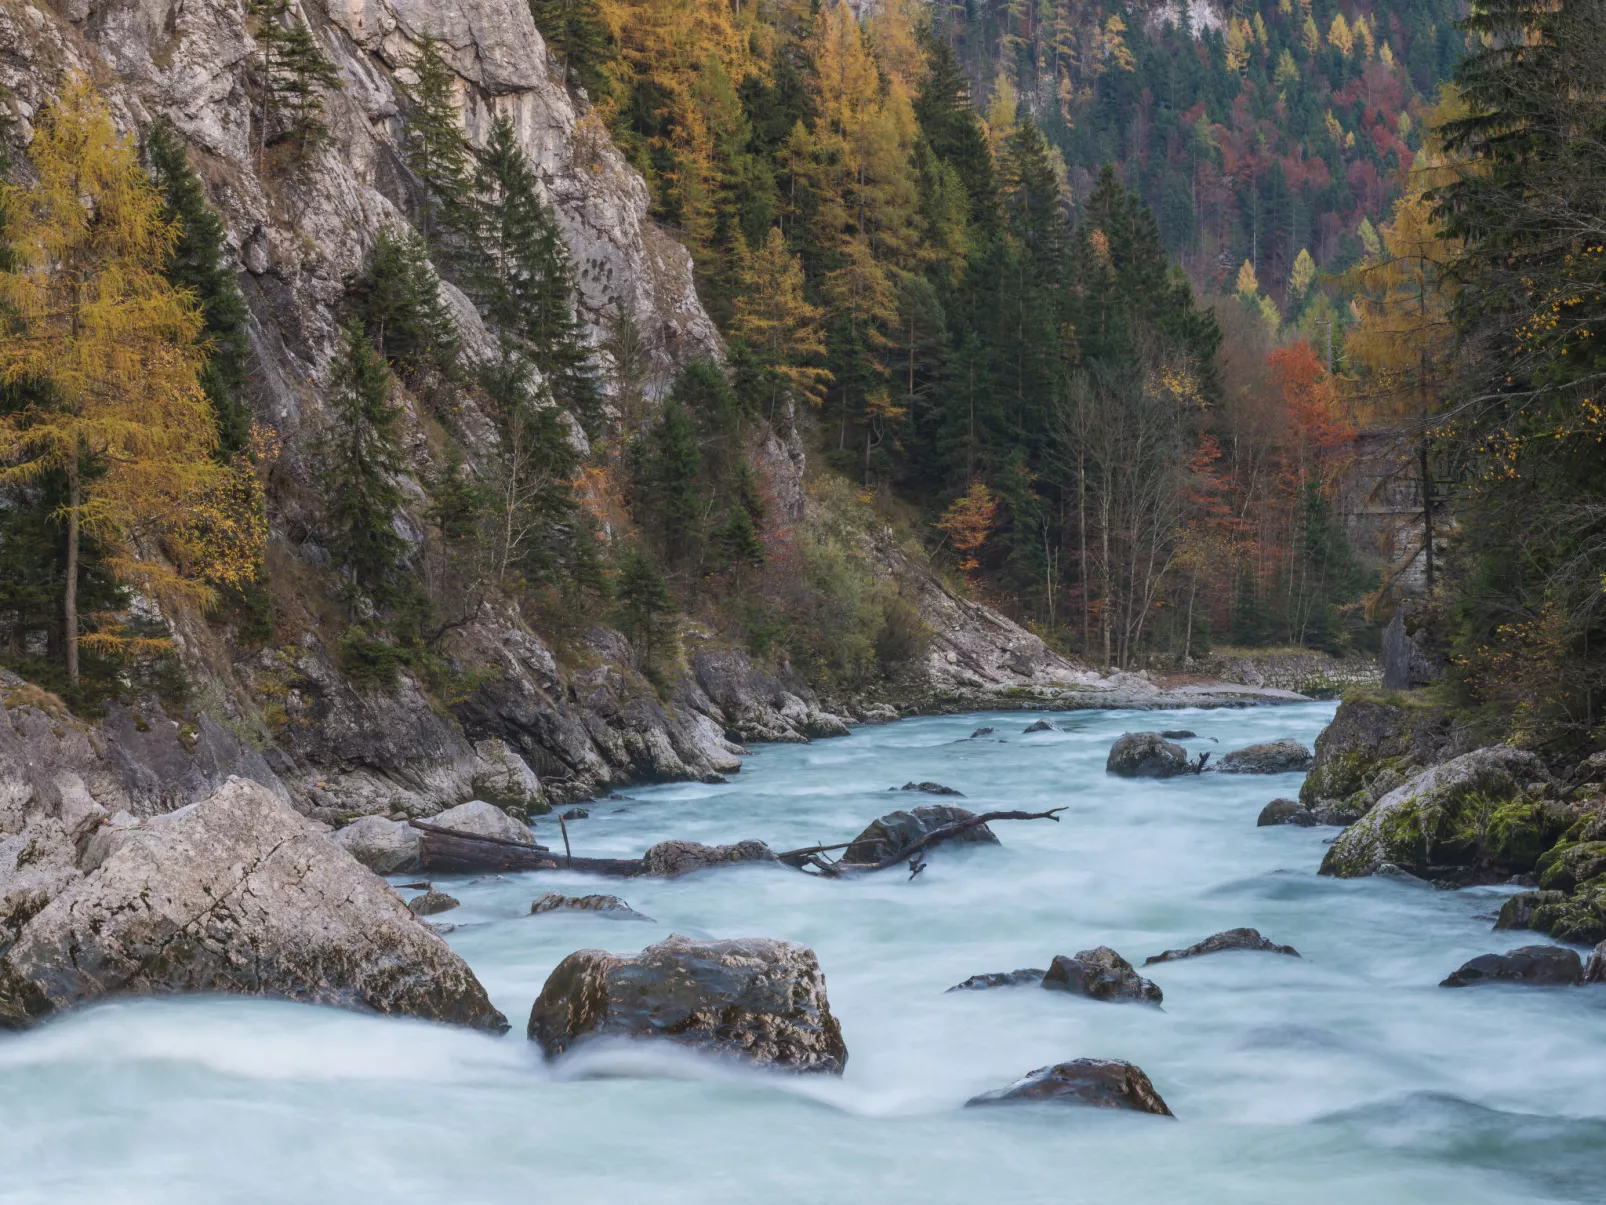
(1405, 666)
(1146, 755)
(601, 905)
(480, 819)
(1021, 978)
(1482, 812)
(754, 999)
(1228, 939)
(1373, 745)
(237, 894)
(1100, 974)
(383, 846)
(893, 833)
(671, 859)
(1097, 1083)
(1595, 972)
(1553, 966)
(1272, 757)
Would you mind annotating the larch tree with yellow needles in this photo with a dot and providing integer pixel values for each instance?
(114, 351)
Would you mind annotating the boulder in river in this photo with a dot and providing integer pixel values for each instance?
(1100, 974)
(236, 894)
(1286, 811)
(476, 818)
(431, 903)
(1595, 972)
(1227, 939)
(984, 731)
(1272, 757)
(1146, 755)
(1553, 966)
(602, 905)
(931, 788)
(1179, 734)
(671, 859)
(888, 836)
(1518, 912)
(1099, 1083)
(755, 999)
(1020, 978)
(1041, 726)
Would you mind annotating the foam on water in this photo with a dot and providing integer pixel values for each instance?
(1343, 1076)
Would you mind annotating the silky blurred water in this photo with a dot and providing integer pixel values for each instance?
(1344, 1076)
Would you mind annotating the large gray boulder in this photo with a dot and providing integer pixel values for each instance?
(1146, 755)
(237, 894)
(480, 819)
(1098, 1083)
(1272, 757)
(1473, 811)
(1100, 974)
(888, 836)
(671, 859)
(1372, 746)
(754, 999)
(383, 846)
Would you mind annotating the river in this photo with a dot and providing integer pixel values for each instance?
(1343, 1076)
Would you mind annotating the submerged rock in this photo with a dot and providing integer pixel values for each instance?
(1020, 978)
(1098, 1083)
(1286, 811)
(1179, 734)
(1100, 974)
(1544, 965)
(1272, 757)
(604, 905)
(236, 894)
(584, 813)
(1146, 755)
(671, 859)
(931, 788)
(986, 731)
(890, 835)
(1041, 726)
(1228, 939)
(756, 999)
(431, 903)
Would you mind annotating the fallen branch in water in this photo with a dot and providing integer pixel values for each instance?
(809, 856)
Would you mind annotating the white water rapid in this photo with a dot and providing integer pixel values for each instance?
(1345, 1076)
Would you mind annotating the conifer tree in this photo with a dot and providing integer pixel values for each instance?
(397, 299)
(293, 69)
(644, 603)
(110, 349)
(364, 462)
(674, 483)
(775, 319)
(736, 541)
(577, 35)
(437, 150)
(199, 263)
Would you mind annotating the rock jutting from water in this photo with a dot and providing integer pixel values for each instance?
(1179, 734)
(929, 788)
(671, 859)
(754, 999)
(432, 903)
(888, 836)
(1147, 755)
(1021, 978)
(1550, 966)
(1095, 1083)
(235, 894)
(1286, 811)
(1272, 757)
(984, 731)
(1041, 726)
(602, 905)
(1227, 939)
(1100, 974)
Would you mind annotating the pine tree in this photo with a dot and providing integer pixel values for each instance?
(293, 70)
(123, 417)
(199, 263)
(398, 301)
(364, 462)
(437, 150)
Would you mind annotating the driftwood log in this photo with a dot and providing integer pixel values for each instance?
(907, 854)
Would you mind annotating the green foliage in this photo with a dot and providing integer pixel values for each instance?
(645, 604)
(672, 476)
(437, 151)
(397, 299)
(575, 32)
(199, 263)
(366, 661)
(293, 71)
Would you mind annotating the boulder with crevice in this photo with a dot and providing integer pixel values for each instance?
(1100, 974)
(1095, 1083)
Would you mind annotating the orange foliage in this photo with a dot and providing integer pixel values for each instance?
(968, 522)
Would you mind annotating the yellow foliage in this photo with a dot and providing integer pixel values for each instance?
(1339, 36)
(1300, 278)
(1248, 285)
(1001, 111)
(774, 318)
(1309, 37)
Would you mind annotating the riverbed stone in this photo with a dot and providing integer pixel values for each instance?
(755, 999)
(1286, 811)
(383, 846)
(236, 894)
(1595, 972)
(1041, 726)
(602, 905)
(1100, 974)
(1552, 966)
(671, 859)
(1021, 978)
(1146, 755)
(1097, 1083)
(888, 836)
(431, 903)
(477, 818)
(986, 730)
(1179, 734)
(1228, 939)
(931, 788)
(1271, 757)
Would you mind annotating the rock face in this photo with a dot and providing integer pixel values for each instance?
(671, 859)
(1286, 811)
(480, 819)
(1273, 757)
(1405, 666)
(1020, 978)
(1229, 939)
(602, 905)
(1146, 755)
(235, 894)
(755, 999)
(1100, 974)
(1372, 746)
(1099, 1083)
(889, 836)
(1553, 966)
(1473, 812)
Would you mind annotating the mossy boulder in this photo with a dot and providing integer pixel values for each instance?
(1566, 865)
(1474, 813)
(1373, 744)
(1579, 917)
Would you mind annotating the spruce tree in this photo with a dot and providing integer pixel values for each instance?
(364, 462)
(675, 483)
(576, 34)
(398, 300)
(199, 263)
(293, 70)
(736, 541)
(644, 603)
(437, 150)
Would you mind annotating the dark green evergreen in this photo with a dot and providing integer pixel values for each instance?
(398, 301)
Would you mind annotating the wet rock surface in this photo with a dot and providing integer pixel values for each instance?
(1551, 966)
(1041, 726)
(1027, 976)
(929, 788)
(888, 836)
(1095, 1083)
(1273, 757)
(758, 1000)
(1100, 974)
(1228, 939)
(1179, 734)
(671, 859)
(1286, 811)
(432, 903)
(1146, 755)
(603, 905)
